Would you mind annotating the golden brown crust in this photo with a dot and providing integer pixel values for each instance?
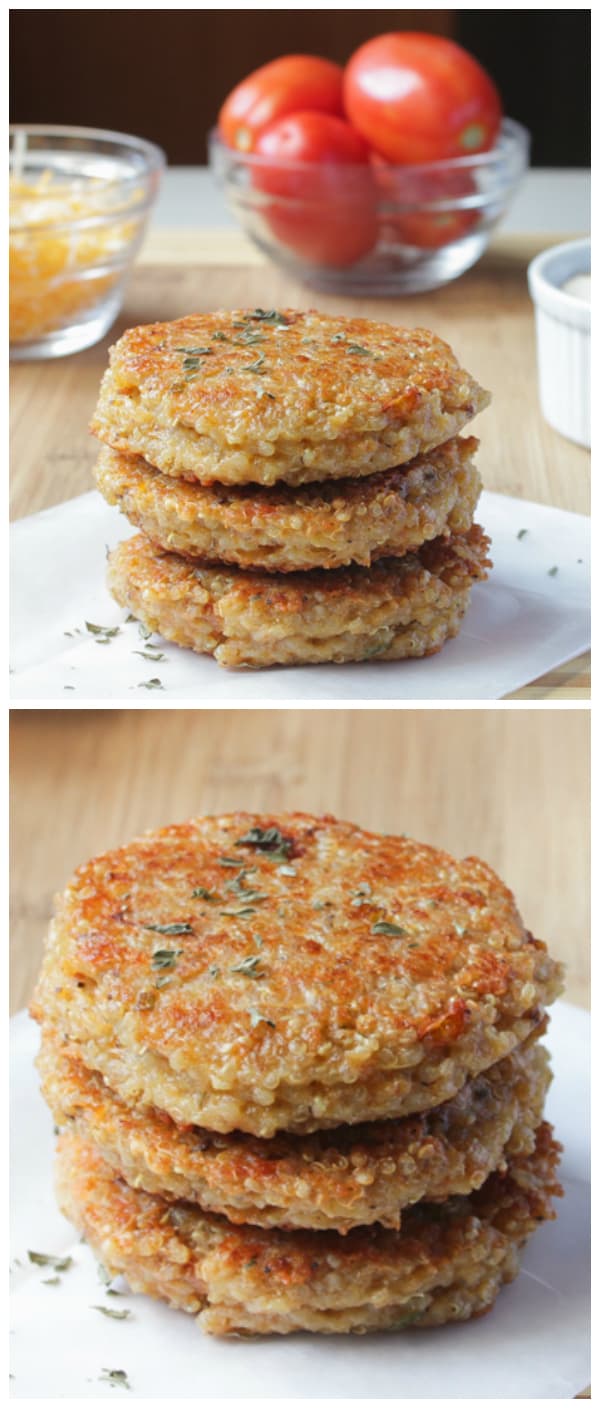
(283, 529)
(398, 608)
(345, 1178)
(282, 1001)
(447, 1263)
(240, 397)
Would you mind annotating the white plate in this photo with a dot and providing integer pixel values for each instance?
(525, 621)
(534, 1344)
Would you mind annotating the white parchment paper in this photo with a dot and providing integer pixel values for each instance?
(526, 620)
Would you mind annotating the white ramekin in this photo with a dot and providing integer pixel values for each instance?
(563, 339)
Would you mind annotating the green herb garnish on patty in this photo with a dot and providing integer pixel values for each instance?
(258, 367)
(382, 927)
(269, 840)
(170, 928)
(249, 966)
(272, 316)
(165, 957)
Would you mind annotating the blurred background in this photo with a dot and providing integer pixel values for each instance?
(509, 785)
(163, 74)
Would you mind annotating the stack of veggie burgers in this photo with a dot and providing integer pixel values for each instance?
(300, 483)
(297, 1070)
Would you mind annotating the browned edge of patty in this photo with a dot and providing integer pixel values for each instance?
(396, 609)
(350, 1176)
(282, 529)
(267, 1281)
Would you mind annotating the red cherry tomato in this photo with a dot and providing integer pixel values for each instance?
(420, 98)
(298, 81)
(303, 138)
(319, 168)
(425, 229)
(429, 230)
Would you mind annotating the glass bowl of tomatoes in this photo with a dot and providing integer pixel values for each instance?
(371, 228)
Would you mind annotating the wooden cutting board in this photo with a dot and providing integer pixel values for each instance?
(486, 316)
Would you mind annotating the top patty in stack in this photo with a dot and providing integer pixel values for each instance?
(258, 397)
(262, 973)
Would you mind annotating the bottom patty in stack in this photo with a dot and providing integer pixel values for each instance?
(447, 1262)
(398, 608)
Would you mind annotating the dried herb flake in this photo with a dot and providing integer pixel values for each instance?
(249, 966)
(58, 1263)
(258, 367)
(383, 927)
(191, 359)
(165, 957)
(238, 913)
(102, 634)
(250, 337)
(260, 315)
(237, 885)
(170, 928)
(111, 1314)
(117, 1378)
(269, 840)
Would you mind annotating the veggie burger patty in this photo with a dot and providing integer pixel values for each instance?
(265, 973)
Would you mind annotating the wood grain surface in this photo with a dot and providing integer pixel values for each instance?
(510, 785)
(486, 315)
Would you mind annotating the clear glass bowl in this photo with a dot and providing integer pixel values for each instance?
(79, 204)
(373, 230)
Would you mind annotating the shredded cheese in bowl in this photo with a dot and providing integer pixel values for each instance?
(72, 237)
(62, 240)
